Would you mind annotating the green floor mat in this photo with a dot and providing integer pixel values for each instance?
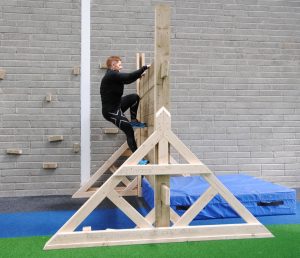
(285, 244)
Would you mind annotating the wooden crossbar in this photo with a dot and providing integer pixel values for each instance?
(157, 235)
(167, 169)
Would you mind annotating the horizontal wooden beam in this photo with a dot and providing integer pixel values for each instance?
(156, 235)
(168, 169)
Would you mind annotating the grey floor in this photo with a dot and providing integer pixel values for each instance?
(52, 203)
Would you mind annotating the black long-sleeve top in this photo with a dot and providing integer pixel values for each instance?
(112, 87)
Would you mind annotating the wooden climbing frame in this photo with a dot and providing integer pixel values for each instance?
(162, 223)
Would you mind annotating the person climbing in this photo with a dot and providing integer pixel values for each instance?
(114, 104)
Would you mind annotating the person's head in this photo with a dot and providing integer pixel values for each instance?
(114, 63)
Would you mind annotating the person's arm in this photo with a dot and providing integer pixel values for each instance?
(127, 78)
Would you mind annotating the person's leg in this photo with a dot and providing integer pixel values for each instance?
(120, 120)
(130, 101)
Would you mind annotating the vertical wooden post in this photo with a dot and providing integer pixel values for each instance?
(140, 61)
(162, 56)
(162, 208)
(161, 98)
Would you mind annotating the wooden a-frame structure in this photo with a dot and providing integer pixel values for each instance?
(158, 226)
(161, 224)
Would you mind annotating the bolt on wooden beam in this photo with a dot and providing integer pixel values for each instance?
(55, 138)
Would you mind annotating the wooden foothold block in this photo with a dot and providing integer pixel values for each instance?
(2, 74)
(49, 97)
(87, 229)
(14, 151)
(76, 147)
(103, 66)
(55, 138)
(49, 165)
(111, 130)
(164, 70)
(76, 70)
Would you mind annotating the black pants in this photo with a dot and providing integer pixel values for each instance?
(118, 118)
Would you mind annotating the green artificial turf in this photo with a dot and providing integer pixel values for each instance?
(285, 244)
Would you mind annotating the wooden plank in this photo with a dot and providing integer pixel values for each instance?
(162, 206)
(138, 65)
(162, 55)
(130, 212)
(119, 189)
(197, 206)
(168, 169)
(156, 235)
(130, 187)
(132, 192)
(142, 59)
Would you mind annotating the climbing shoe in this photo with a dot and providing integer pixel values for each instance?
(143, 162)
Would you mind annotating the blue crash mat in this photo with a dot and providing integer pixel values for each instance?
(260, 197)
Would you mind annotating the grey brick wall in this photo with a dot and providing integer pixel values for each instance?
(234, 86)
(40, 44)
(235, 80)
